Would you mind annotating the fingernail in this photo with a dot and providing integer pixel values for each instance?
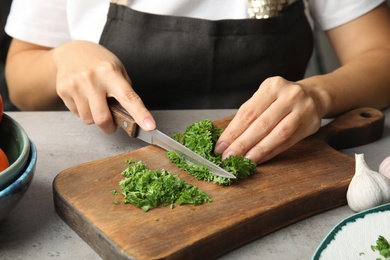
(227, 155)
(149, 124)
(250, 157)
(220, 147)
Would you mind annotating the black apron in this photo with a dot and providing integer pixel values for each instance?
(188, 63)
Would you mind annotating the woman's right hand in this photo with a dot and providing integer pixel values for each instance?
(88, 74)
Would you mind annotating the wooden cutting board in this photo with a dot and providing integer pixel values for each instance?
(309, 178)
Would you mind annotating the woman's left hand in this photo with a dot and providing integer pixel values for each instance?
(278, 115)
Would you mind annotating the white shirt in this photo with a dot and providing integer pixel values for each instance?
(53, 22)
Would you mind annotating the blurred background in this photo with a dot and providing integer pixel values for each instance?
(323, 59)
(4, 44)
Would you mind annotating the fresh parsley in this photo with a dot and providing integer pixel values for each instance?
(114, 192)
(201, 138)
(148, 189)
(382, 246)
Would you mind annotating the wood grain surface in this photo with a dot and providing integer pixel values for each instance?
(309, 178)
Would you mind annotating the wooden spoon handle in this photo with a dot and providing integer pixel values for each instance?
(122, 118)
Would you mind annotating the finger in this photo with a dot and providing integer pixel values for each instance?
(287, 133)
(283, 136)
(64, 88)
(75, 84)
(83, 110)
(101, 113)
(134, 105)
(266, 95)
(258, 130)
(126, 96)
(69, 103)
(245, 116)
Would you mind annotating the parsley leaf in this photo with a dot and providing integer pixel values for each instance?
(382, 245)
(148, 189)
(201, 137)
(114, 192)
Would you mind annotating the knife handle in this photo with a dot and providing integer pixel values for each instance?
(122, 118)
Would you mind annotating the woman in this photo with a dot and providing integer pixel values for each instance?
(178, 54)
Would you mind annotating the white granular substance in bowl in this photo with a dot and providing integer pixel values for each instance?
(354, 240)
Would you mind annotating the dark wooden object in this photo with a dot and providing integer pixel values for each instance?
(309, 178)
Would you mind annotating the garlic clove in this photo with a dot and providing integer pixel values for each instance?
(384, 167)
(367, 188)
(363, 194)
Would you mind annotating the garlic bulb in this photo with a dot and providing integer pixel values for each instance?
(367, 188)
(384, 167)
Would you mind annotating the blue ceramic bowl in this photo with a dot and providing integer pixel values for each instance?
(16, 145)
(13, 193)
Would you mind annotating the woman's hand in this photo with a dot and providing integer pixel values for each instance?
(281, 113)
(87, 74)
(278, 115)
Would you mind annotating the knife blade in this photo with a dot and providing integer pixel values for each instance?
(123, 119)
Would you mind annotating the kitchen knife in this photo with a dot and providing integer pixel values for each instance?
(155, 137)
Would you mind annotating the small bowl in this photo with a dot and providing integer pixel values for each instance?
(10, 196)
(16, 145)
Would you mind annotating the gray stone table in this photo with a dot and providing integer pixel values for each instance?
(35, 231)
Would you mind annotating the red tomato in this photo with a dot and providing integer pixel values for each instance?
(3, 157)
(3, 161)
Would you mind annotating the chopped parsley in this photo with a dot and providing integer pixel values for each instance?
(149, 189)
(114, 192)
(382, 246)
(201, 137)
